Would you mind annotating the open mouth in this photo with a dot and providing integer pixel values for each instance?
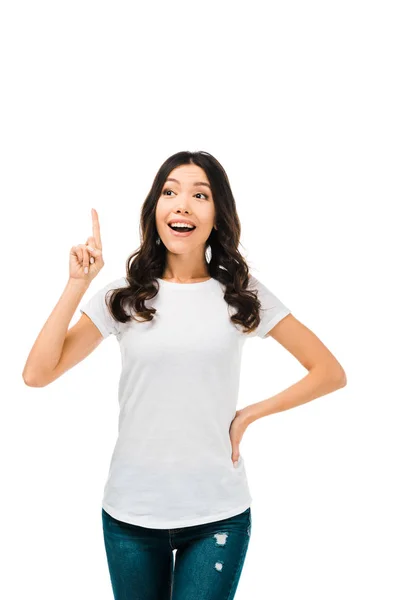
(181, 231)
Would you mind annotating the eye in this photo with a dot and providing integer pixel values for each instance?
(201, 193)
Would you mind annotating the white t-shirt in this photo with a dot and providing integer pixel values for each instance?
(171, 466)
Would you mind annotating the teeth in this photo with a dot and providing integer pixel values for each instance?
(181, 225)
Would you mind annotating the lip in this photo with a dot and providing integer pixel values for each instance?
(180, 220)
(180, 233)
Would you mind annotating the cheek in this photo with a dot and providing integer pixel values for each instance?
(206, 221)
(205, 213)
(161, 212)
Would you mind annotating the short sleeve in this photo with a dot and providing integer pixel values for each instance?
(97, 310)
(272, 309)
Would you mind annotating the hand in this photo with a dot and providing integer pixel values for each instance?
(87, 256)
(237, 428)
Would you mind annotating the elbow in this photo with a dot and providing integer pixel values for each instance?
(340, 378)
(335, 375)
(32, 380)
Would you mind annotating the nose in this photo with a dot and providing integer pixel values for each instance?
(180, 210)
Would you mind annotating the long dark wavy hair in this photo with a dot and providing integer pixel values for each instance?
(226, 264)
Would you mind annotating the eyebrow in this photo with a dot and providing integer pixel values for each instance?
(197, 183)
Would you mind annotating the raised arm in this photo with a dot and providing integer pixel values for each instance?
(56, 348)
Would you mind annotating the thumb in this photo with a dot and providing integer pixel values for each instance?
(235, 454)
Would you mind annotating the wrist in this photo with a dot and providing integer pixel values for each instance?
(249, 414)
(79, 284)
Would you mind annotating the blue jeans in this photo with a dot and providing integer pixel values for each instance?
(207, 566)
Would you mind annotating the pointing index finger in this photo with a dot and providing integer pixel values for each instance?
(96, 228)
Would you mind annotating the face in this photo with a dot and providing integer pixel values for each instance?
(182, 197)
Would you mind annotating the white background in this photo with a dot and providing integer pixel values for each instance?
(299, 101)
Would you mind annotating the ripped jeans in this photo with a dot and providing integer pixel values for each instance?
(207, 565)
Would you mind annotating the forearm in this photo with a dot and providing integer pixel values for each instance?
(318, 382)
(47, 349)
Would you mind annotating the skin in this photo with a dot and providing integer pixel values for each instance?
(185, 259)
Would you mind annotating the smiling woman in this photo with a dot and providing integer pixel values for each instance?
(171, 435)
(188, 213)
(176, 465)
(192, 189)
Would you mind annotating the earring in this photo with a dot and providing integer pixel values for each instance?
(158, 241)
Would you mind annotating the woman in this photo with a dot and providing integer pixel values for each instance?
(177, 480)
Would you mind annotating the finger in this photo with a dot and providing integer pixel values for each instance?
(235, 455)
(93, 251)
(91, 241)
(85, 259)
(90, 245)
(78, 252)
(96, 229)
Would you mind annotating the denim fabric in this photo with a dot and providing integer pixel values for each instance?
(206, 566)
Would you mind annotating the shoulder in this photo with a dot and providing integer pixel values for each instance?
(256, 284)
(119, 282)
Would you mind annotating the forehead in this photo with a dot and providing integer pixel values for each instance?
(188, 175)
